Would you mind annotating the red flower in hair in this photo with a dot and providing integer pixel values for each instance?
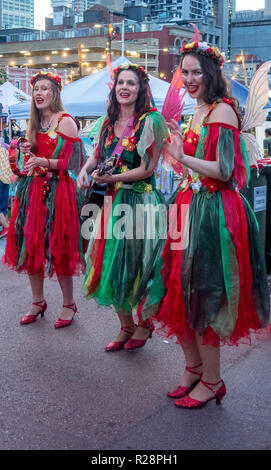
(47, 75)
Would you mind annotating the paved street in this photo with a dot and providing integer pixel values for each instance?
(60, 390)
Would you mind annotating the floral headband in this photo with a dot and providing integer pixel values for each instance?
(204, 48)
(49, 76)
(131, 67)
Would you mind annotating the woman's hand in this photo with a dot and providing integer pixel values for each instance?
(174, 146)
(104, 179)
(83, 181)
(25, 147)
(33, 162)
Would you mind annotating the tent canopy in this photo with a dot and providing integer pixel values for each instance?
(11, 95)
(240, 92)
(87, 97)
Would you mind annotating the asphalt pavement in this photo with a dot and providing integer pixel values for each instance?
(61, 391)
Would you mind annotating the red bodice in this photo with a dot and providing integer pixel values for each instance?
(190, 143)
(46, 145)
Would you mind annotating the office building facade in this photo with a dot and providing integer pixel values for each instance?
(16, 14)
(183, 9)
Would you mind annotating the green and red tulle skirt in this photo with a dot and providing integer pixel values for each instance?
(211, 280)
(119, 249)
(44, 236)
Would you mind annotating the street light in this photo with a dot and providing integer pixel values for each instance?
(111, 36)
(241, 59)
(80, 47)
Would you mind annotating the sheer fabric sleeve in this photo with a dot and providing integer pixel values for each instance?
(233, 158)
(154, 131)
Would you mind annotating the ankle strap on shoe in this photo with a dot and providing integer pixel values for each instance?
(190, 369)
(210, 385)
(41, 303)
(125, 328)
(71, 306)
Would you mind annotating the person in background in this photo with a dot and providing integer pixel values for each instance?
(5, 180)
(267, 143)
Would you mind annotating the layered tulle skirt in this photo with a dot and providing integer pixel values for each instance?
(44, 236)
(121, 245)
(209, 276)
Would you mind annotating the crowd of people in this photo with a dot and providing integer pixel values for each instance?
(199, 277)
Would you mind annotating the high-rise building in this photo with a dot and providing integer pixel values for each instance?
(116, 5)
(251, 32)
(61, 9)
(222, 10)
(184, 9)
(16, 13)
(79, 6)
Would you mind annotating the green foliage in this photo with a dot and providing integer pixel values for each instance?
(3, 76)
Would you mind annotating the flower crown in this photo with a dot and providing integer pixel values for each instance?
(47, 75)
(129, 66)
(204, 48)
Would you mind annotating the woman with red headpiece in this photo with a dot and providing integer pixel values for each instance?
(209, 285)
(44, 233)
(121, 246)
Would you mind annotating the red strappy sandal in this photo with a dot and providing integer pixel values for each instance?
(32, 318)
(60, 323)
(182, 391)
(139, 343)
(188, 402)
(117, 345)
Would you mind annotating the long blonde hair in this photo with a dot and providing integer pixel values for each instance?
(35, 115)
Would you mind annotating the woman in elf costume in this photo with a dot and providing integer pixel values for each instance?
(208, 287)
(44, 235)
(133, 131)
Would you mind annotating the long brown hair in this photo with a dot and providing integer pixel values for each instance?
(143, 102)
(216, 85)
(35, 115)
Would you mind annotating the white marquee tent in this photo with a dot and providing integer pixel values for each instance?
(87, 97)
(11, 95)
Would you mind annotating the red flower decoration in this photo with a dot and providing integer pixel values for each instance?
(119, 163)
(211, 187)
(130, 147)
(132, 139)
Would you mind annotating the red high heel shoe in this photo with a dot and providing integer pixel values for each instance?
(60, 323)
(117, 345)
(139, 343)
(32, 318)
(182, 391)
(188, 402)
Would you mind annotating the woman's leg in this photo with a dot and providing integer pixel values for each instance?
(37, 287)
(3, 220)
(66, 285)
(126, 321)
(210, 358)
(192, 359)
